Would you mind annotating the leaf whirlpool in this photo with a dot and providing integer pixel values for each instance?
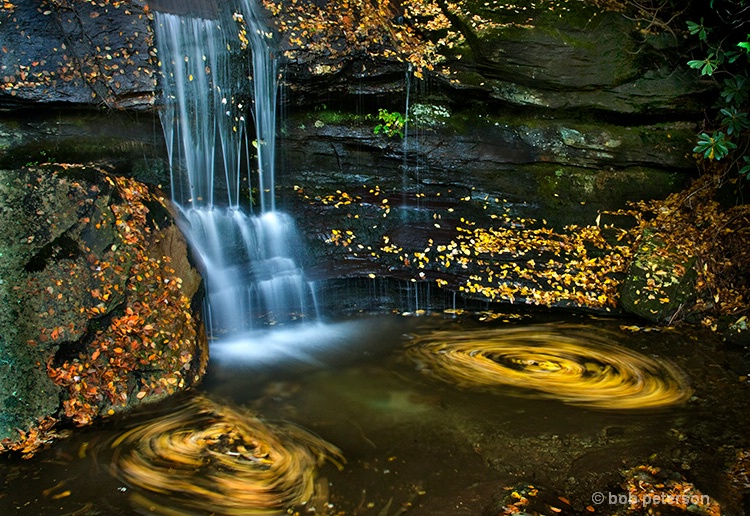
(211, 458)
(575, 365)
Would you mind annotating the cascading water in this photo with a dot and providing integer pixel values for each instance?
(249, 260)
(405, 166)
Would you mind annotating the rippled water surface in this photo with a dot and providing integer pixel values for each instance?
(429, 415)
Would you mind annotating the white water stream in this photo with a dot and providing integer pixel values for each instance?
(248, 251)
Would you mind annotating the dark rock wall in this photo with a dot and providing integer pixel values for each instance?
(76, 52)
(553, 164)
(576, 58)
(541, 119)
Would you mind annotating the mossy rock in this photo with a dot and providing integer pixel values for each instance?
(659, 281)
(100, 306)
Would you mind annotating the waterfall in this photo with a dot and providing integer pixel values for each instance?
(405, 171)
(249, 257)
(265, 88)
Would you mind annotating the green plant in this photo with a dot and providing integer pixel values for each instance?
(725, 47)
(41, 158)
(714, 146)
(391, 123)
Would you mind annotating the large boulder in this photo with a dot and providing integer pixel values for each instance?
(100, 307)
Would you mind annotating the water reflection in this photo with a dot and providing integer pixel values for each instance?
(412, 443)
(573, 364)
(209, 457)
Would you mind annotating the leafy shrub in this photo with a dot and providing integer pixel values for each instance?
(725, 58)
(391, 123)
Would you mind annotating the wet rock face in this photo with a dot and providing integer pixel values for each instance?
(571, 58)
(550, 116)
(492, 208)
(76, 52)
(580, 57)
(100, 305)
(130, 143)
(540, 122)
(564, 171)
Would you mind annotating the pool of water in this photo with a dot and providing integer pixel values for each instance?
(410, 441)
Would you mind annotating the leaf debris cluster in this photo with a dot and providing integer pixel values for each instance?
(153, 332)
(570, 363)
(646, 483)
(384, 28)
(500, 257)
(209, 457)
(693, 223)
(490, 253)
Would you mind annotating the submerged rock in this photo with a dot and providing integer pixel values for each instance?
(100, 305)
(647, 486)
